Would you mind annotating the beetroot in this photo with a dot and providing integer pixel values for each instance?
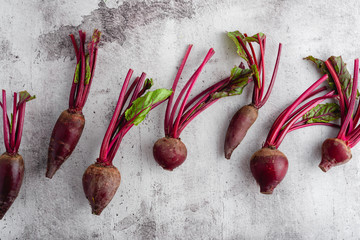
(269, 167)
(65, 136)
(169, 152)
(243, 119)
(11, 162)
(101, 180)
(100, 183)
(247, 115)
(337, 151)
(334, 153)
(70, 124)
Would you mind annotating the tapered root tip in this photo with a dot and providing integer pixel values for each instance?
(51, 170)
(96, 212)
(228, 154)
(325, 166)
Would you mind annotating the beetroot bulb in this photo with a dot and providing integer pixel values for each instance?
(245, 117)
(269, 165)
(102, 179)
(169, 151)
(337, 151)
(70, 124)
(11, 162)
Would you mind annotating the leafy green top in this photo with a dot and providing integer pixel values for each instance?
(142, 105)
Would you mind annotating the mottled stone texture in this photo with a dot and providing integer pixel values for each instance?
(207, 197)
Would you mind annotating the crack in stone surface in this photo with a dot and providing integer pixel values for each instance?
(115, 23)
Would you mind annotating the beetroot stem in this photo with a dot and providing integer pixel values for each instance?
(212, 89)
(20, 125)
(119, 105)
(82, 72)
(177, 121)
(167, 124)
(182, 127)
(267, 95)
(338, 88)
(314, 102)
(284, 116)
(13, 127)
(5, 121)
(348, 118)
(91, 79)
(295, 126)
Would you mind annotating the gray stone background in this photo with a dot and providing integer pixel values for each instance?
(208, 197)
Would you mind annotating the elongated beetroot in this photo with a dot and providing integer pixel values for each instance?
(169, 152)
(11, 162)
(269, 167)
(70, 124)
(65, 136)
(334, 153)
(243, 119)
(101, 180)
(11, 176)
(100, 183)
(247, 115)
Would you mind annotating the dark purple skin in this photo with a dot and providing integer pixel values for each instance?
(269, 167)
(64, 138)
(169, 152)
(100, 183)
(335, 152)
(243, 119)
(11, 176)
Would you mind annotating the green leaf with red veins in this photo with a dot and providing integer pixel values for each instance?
(323, 113)
(77, 72)
(254, 38)
(256, 74)
(148, 83)
(24, 96)
(340, 68)
(240, 51)
(239, 78)
(141, 106)
(344, 75)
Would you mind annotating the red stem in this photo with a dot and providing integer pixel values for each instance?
(177, 121)
(87, 90)
(295, 126)
(267, 95)
(119, 105)
(182, 127)
(212, 89)
(13, 127)
(345, 125)
(283, 133)
(167, 123)
(82, 71)
(284, 116)
(20, 125)
(338, 88)
(5, 121)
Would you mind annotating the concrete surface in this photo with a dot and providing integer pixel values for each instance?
(208, 197)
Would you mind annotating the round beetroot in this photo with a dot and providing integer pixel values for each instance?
(269, 167)
(169, 152)
(334, 152)
(11, 176)
(100, 183)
